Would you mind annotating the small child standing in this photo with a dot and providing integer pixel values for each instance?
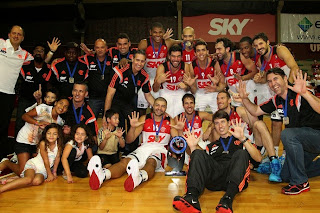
(109, 138)
(38, 169)
(76, 151)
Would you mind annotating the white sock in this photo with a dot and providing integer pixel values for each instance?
(276, 149)
(144, 175)
(108, 173)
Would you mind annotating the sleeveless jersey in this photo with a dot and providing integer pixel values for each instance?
(236, 67)
(196, 127)
(187, 56)
(175, 78)
(149, 130)
(275, 61)
(203, 79)
(154, 59)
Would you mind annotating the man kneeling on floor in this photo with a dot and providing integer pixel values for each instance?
(224, 165)
(142, 163)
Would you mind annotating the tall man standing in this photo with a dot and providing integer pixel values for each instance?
(12, 57)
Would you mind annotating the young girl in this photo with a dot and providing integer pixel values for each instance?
(27, 139)
(77, 150)
(38, 169)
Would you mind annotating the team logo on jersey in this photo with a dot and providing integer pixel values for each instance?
(3, 50)
(80, 72)
(63, 78)
(44, 75)
(63, 72)
(196, 125)
(163, 129)
(19, 56)
(91, 62)
(213, 149)
(93, 66)
(239, 70)
(125, 82)
(237, 142)
(277, 65)
(29, 78)
(139, 83)
(161, 55)
(291, 102)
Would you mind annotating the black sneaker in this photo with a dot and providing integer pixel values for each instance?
(186, 204)
(225, 205)
(296, 189)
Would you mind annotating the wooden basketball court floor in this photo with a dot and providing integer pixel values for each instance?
(155, 195)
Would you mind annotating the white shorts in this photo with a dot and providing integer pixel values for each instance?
(142, 101)
(150, 150)
(263, 93)
(174, 102)
(206, 99)
(38, 169)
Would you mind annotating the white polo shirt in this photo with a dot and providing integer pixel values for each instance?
(10, 65)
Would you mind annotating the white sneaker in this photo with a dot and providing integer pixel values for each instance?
(134, 178)
(14, 158)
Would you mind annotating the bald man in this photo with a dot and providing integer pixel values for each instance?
(99, 66)
(12, 57)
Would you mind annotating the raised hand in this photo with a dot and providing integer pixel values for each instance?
(123, 62)
(38, 94)
(85, 49)
(54, 44)
(242, 90)
(163, 77)
(119, 132)
(180, 123)
(210, 88)
(258, 77)
(191, 139)
(182, 85)
(238, 129)
(134, 119)
(188, 80)
(215, 80)
(107, 133)
(168, 34)
(300, 83)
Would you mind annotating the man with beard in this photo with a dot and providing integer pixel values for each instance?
(12, 57)
(99, 76)
(32, 75)
(234, 67)
(69, 70)
(300, 112)
(271, 57)
(142, 163)
(122, 53)
(169, 80)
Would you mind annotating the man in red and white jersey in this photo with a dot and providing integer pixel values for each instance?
(235, 67)
(142, 163)
(188, 37)
(169, 81)
(209, 79)
(273, 57)
(156, 50)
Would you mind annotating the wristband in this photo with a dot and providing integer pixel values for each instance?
(52, 51)
(245, 140)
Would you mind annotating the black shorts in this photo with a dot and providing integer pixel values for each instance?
(109, 159)
(22, 148)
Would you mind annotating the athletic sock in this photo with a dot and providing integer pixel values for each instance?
(108, 173)
(232, 190)
(144, 175)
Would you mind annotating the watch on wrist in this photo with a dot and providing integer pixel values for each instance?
(243, 141)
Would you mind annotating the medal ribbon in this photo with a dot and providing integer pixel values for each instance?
(74, 69)
(225, 148)
(77, 117)
(228, 67)
(200, 70)
(104, 65)
(191, 122)
(263, 66)
(155, 126)
(154, 51)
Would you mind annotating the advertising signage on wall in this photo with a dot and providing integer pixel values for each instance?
(300, 28)
(212, 26)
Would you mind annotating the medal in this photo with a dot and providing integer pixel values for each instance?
(104, 67)
(285, 120)
(157, 130)
(102, 77)
(135, 83)
(226, 148)
(71, 74)
(71, 80)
